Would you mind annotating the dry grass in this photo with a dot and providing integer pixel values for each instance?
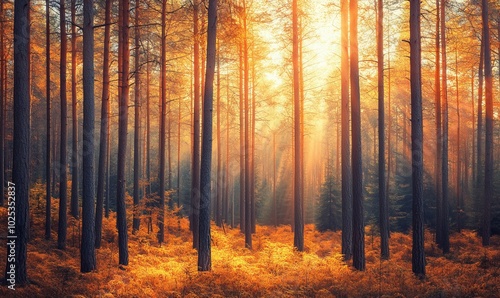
(272, 269)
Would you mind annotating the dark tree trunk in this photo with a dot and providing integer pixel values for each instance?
(418, 256)
(248, 202)
(75, 211)
(48, 195)
(219, 188)
(439, 139)
(298, 238)
(195, 174)
(63, 178)
(346, 155)
(488, 158)
(21, 144)
(104, 135)
(358, 224)
(163, 115)
(88, 258)
(445, 241)
(459, 187)
(137, 122)
(204, 255)
(121, 211)
(383, 204)
(148, 125)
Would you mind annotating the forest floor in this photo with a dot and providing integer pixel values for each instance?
(271, 269)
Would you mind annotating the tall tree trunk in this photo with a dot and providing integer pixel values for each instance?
(346, 152)
(219, 188)
(48, 195)
(418, 255)
(479, 137)
(121, 211)
(163, 115)
(358, 224)
(204, 255)
(248, 202)
(275, 205)
(88, 258)
(383, 204)
(439, 138)
(148, 124)
(21, 143)
(460, 186)
(488, 158)
(445, 241)
(63, 179)
(75, 211)
(104, 134)
(242, 142)
(298, 239)
(137, 122)
(252, 150)
(195, 174)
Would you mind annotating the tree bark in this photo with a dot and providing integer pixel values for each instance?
(88, 258)
(242, 143)
(439, 138)
(298, 239)
(445, 241)
(195, 178)
(75, 210)
(121, 211)
(104, 134)
(163, 116)
(418, 255)
(48, 195)
(358, 225)
(204, 254)
(383, 204)
(21, 140)
(488, 158)
(137, 122)
(63, 178)
(346, 152)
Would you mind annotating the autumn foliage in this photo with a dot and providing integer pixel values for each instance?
(271, 269)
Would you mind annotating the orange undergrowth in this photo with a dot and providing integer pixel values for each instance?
(271, 269)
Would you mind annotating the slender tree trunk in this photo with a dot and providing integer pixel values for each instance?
(488, 159)
(163, 116)
(298, 239)
(439, 138)
(3, 101)
(252, 150)
(108, 168)
(248, 202)
(204, 255)
(459, 153)
(148, 124)
(137, 122)
(418, 255)
(104, 134)
(358, 236)
(219, 188)
(389, 118)
(121, 211)
(63, 179)
(226, 181)
(75, 210)
(88, 258)
(48, 195)
(445, 241)
(479, 140)
(383, 204)
(242, 143)
(195, 180)
(21, 142)
(346, 152)
(473, 117)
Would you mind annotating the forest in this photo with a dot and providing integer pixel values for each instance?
(250, 148)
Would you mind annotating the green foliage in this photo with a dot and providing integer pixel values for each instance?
(329, 210)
